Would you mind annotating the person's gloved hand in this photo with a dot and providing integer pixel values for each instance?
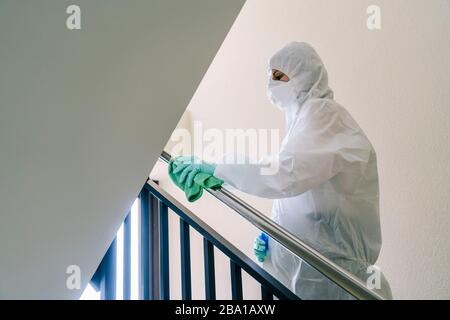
(189, 166)
(261, 246)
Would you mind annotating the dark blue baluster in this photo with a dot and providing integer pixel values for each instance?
(144, 270)
(186, 292)
(266, 294)
(108, 282)
(270, 286)
(164, 252)
(154, 247)
(210, 283)
(236, 281)
(127, 257)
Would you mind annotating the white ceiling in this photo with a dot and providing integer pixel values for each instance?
(84, 115)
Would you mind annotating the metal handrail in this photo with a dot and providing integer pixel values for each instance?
(331, 270)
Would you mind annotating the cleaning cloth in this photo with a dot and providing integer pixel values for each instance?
(201, 180)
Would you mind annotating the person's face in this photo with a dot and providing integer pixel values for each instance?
(277, 75)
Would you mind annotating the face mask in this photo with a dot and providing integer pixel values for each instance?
(281, 94)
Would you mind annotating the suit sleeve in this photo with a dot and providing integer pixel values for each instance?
(319, 146)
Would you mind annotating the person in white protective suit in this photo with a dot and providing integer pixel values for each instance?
(326, 186)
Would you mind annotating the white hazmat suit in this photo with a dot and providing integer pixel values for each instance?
(326, 185)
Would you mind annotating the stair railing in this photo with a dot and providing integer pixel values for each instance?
(155, 257)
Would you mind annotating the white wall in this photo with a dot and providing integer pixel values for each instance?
(394, 81)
